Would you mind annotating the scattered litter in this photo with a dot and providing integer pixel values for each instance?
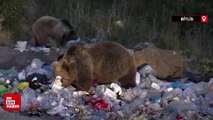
(116, 88)
(138, 78)
(99, 103)
(146, 71)
(57, 85)
(155, 86)
(151, 98)
(21, 86)
(21, 46)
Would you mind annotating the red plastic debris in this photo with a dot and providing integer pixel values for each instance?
(95, 81)
(179, 117)
(33, 106)
(99, 103)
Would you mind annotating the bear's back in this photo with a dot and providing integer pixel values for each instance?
(111, 58)
(107, 48)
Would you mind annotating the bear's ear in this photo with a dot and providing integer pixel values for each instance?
(67, 23)
(68, 64)
(73, 35)
(65, 65)
(73, 50)
(60, 57)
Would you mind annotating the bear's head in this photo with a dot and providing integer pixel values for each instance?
(74, 66)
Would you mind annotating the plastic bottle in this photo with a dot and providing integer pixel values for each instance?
(29, 97)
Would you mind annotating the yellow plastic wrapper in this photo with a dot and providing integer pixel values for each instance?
(22, 86)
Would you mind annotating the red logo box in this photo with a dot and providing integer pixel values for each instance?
(204, 18)
(12, 102)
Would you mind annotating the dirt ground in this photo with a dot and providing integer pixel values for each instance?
(20, 116)
(14, 58)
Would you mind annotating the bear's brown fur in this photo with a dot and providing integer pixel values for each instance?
(108, 61)
(168, 64)
(52, 32)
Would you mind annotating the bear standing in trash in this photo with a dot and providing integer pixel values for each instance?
(107, 61)
(52, 32)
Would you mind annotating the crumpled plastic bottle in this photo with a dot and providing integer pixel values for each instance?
(29, 97)
(57, 109)
(146, 71)
(116, 88)
(48, 99)
(22, 75)
(202, 105)
(195, 90)
(104, 90)
(170, 95)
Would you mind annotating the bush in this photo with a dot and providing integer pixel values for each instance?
(10, 11)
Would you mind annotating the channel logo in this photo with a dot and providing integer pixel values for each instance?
(12, 102)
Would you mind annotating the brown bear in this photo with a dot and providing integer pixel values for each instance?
(107, 61)
(52, 32)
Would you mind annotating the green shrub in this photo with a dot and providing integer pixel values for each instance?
(207, 66)
(10, 11)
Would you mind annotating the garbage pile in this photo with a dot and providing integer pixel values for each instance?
(152, 98)
(23, 46)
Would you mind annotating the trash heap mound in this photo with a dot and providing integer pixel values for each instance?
(151, 98)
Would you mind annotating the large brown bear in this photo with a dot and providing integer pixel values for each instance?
(52, 32)
(107, 61)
